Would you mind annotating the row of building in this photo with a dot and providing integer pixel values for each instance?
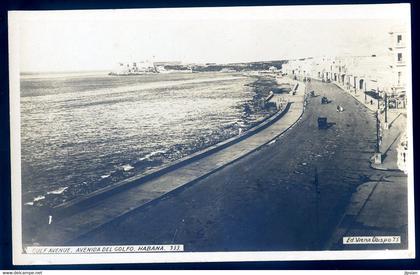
(379, 76)
(382, 79)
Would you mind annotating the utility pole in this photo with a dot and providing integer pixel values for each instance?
(377, 131)
(386, 108)
(377, 157)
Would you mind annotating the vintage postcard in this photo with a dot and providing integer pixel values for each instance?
(211, 134)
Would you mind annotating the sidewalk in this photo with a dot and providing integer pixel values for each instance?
(397, 123)
(359, 96)
(107, 209)
(377, 208)
(390, 142)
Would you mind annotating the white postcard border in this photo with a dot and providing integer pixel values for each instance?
(20, 258)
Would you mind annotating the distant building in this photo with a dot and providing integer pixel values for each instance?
(167, 63)
(375, 75)
(378, 79)
(133, 68)
(398, 66)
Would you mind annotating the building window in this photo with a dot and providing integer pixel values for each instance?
(399, 77)
(399, 38)
(399, 57)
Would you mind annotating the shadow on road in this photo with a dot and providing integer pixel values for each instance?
(330, 124)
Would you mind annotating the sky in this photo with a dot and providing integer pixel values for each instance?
(98, 39)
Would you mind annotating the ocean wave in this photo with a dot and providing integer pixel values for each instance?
(154, 153)
(58, 191)
(127, 167)
(38, 198)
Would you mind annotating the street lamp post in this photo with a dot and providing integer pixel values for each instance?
(386, 110)
(377, 131)
(377, 157)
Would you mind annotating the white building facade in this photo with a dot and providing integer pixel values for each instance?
(379, 77)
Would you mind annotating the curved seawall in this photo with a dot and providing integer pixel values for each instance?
(66, 208)
(80, 216)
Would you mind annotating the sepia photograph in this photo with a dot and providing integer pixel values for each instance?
(211, 134)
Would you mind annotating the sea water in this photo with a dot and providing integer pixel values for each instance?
(81, 132)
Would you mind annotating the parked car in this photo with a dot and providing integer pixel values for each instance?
(322, 123)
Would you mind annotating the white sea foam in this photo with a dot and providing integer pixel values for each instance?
(58, 191)
(148, 156)
(155, 153)
(127, 167)
(39, 198)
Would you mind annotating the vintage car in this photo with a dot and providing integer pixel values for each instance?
(322, 123)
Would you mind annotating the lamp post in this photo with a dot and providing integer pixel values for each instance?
(377, 157)
(386, 108)
(377, 132)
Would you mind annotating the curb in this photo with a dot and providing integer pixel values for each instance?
(341, 229)
(355, 97)
(371, 165)
(383, 168)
